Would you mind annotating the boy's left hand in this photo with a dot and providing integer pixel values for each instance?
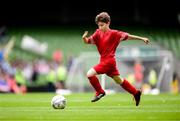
(146, 40)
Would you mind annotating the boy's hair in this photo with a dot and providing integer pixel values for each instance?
(102, 17)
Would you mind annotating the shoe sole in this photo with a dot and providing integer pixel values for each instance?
(98, 97)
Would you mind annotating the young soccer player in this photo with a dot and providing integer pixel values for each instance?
(106, 41)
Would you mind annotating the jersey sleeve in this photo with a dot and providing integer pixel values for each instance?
(122, 35)
(93, 38)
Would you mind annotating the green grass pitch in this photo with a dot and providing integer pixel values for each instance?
(117, 107)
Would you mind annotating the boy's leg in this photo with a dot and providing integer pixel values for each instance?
(95, 84)
(128, 87)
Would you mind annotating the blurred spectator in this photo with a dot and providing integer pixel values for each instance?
(152, 78)
(35, 73)
(8, 82)
(10, 78)
(61, 76)
(61, 80)
(51, 78)
(27, 72)
(4, 87)
(175, 84)
(138, 73)
(57, 56)
(61, 71)
(20, 78)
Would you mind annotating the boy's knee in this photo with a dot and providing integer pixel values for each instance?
(91, 73)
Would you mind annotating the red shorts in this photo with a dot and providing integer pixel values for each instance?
(108, 67)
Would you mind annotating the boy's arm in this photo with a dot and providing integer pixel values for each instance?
(134, 37)
(84, 37)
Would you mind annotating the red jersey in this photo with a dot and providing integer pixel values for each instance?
(107, 42)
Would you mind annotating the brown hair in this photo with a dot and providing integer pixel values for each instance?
(102, 17)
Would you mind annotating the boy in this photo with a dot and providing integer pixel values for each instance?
(106, 41)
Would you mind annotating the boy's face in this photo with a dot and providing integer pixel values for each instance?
(103, 26)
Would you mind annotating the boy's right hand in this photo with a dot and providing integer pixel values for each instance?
(85, 34)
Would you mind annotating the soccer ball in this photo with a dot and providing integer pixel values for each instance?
(58, 102)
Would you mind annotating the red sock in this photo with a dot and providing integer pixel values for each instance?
(128, 87)
(95, 83)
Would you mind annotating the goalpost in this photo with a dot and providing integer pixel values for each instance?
(152, 58)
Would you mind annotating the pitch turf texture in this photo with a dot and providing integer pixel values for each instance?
(117, 107)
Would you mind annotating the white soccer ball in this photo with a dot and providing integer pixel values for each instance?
(58, 102)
